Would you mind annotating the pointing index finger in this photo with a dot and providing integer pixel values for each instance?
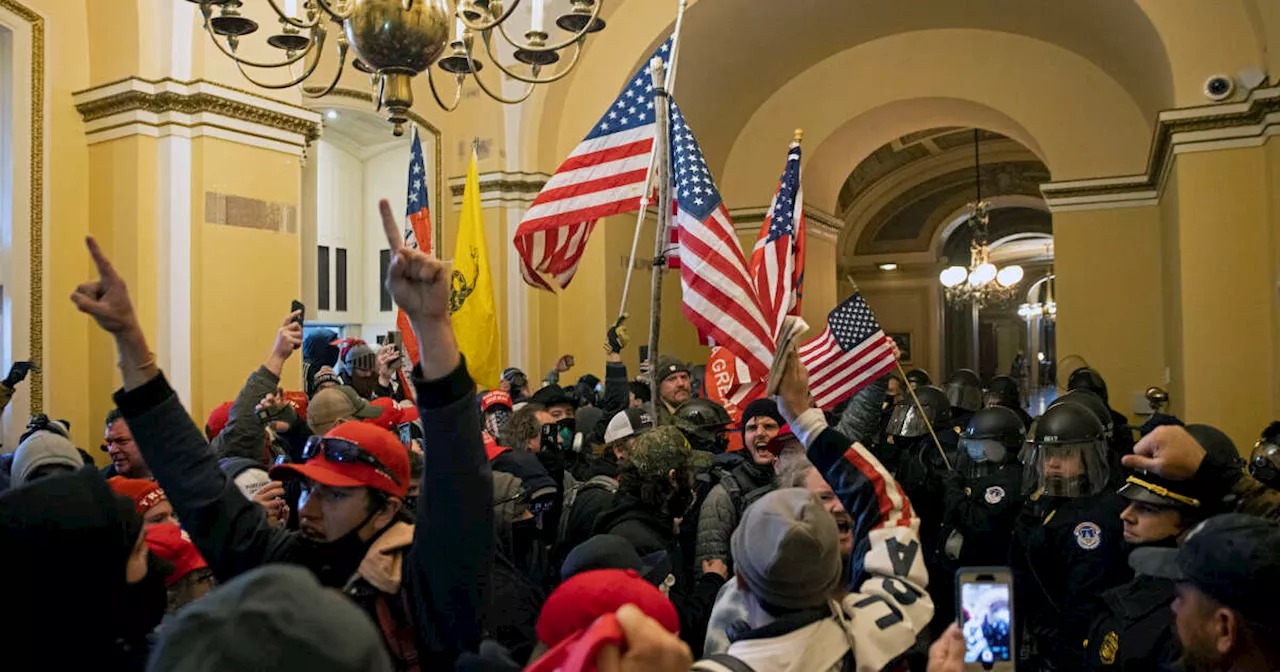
(100, 260)
(389, 226)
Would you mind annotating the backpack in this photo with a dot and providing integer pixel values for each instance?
(742, 499)
(571, 495)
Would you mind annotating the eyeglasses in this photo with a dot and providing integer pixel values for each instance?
(345, 452)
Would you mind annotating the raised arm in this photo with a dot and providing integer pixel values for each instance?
(230, 532)
(452, 554)
(243, 435)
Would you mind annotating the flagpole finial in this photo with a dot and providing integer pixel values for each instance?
(799, 135)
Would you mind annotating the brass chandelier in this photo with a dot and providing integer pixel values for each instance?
(394, 40)
(980, 284)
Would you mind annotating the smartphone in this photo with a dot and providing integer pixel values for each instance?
(984, 609)
(300, 309)
(406, 433)
(395, 338)
(644, 352)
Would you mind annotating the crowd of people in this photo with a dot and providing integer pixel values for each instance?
(389, 517)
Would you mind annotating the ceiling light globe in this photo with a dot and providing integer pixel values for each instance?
(983, 274)
(952, 276)
(1008, 277)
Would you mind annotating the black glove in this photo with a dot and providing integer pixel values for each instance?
(19, 372)
(616, 338)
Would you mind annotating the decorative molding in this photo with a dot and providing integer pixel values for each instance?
(36, 230)
(501, 189)
(1248, 123)
(818, 223)
(163, 107)
(249, 213)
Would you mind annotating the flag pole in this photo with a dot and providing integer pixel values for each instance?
(898, 363)
(653, 157)
(662, 150)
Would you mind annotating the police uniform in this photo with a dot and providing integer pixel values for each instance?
(1134, 629)
(1065, 553)
(980, 514)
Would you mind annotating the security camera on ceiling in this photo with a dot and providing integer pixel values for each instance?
(1219, 88)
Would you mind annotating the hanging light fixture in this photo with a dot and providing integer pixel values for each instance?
(982, 283)
(394, 40)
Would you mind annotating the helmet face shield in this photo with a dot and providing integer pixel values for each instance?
(906, 420)
(981, 457)
(1068, 469)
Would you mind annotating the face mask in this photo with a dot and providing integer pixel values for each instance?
(495, 420)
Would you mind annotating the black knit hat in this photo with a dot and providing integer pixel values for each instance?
(762, 406)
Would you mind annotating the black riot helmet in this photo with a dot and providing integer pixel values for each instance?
(992, 438)
(964, 389)
(919, 378)
(906, 420)
(1264, 463)
(1003, 391)
(703, 423)
(1092, 402)
(1085, 378)
(1068, 457)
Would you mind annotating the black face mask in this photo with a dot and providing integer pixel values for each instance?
(347, 551)
(144, 602)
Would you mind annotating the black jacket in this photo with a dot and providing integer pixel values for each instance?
(649, 531)
(1065, 554)
(447, 569)
(245, 435)
(1134, 631)
(588, 503)
(983, 512)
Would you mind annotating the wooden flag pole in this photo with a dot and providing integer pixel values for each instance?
(662, 148)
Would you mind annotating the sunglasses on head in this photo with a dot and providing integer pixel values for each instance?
(345, 452)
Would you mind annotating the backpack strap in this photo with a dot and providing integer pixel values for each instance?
(722, 662)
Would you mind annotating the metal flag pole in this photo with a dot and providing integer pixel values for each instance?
(662, 149)
(653, 157)
(898, 363)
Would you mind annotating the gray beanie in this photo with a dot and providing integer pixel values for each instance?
(42, 448)
(787, 550)
(276, 617)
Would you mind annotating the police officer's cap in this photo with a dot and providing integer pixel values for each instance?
(1152, 489)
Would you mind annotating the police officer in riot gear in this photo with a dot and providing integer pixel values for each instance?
(981, 497)
(1004, 391)
(1264, 463)
(1085, 378)
(1099, 408)
(1068, 544)
(910, 454)
(964, 391)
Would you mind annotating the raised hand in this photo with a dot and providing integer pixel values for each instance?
(418, 282)
(388, 355)
(288, 339)
(617, 337)
(649, 647)
(18, 372)
(793, 390)
(564, 363)
(106, 300)
(947, 653)
(1170, 452)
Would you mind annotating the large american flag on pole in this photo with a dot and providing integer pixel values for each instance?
(777, 261)
(719, 297)
(848, 355)
(417, 230)
(605, 175)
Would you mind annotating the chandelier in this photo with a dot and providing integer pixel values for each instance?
(394, 40)
(980, 284)
(1046, 309)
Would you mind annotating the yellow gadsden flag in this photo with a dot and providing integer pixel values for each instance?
(475, 317)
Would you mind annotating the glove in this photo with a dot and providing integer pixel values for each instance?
(19, 372)
(616, 338)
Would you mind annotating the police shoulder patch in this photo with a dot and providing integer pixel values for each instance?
(994, 494)
(1088, 535)
(1110, 646)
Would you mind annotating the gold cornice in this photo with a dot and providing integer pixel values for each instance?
(171, 80)
(196, 103)
(1161, 155)
(37, 198)
(504, 187)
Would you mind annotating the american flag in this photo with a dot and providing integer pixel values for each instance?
(417, 232)
(848, 355)
(605, 175)
(719, 298)
(777, 262)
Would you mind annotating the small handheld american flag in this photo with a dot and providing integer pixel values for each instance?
(777, 262)
(849, 354)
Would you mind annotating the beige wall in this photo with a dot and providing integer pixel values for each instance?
(1109, 297)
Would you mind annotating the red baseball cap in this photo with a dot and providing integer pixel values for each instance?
(491, 447)
(390, 416)
(298, 400)
(375, 442)
(780, 440)
(218, 419)
(495, 398)
(582, 599)
(170, 542)
(145, 494)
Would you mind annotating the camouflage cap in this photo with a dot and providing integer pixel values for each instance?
(660, 450)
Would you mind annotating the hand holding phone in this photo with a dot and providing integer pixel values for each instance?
(301, 310)
(984, 610)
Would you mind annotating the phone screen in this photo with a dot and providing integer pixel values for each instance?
(987, 617)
